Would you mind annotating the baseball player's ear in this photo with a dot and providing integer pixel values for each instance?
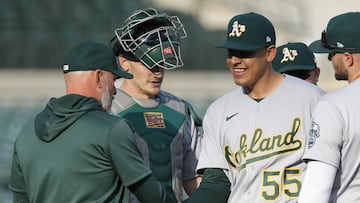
(99, 75)
(348, 59)
(317, 71)
(271, 52)
(124, 63)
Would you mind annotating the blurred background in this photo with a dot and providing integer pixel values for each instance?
(35, 35)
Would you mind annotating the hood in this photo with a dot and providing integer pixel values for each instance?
(61, 113)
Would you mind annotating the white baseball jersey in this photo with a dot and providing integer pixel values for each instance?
(335, 140)
(260, 144)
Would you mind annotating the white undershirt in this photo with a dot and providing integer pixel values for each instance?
(318, 182)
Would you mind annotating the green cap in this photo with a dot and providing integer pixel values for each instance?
(293, 56)
(91, 55)
(341, 35)
(249, 32)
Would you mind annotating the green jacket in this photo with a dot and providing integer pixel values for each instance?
(73, 151)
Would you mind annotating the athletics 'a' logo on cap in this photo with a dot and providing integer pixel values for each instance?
(237, 29)
(288, 54)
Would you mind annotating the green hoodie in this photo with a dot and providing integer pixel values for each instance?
(73, 151)
(59, 114)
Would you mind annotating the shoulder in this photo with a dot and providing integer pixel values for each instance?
(100, 119)
(121, 101)
(122, 125)
(299, 86)
(119, 128)
(228, 101)
(346, 94)
(233, 95)
(170, 100)
(27, 128)
(179, 104)
(165, 96)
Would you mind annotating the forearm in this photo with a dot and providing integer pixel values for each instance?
(214, 188)
(150, 190)
(318, 183)
(191, 185)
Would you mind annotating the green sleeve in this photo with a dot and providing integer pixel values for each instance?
(133, 171)
(214, 188)
(125, 156)
(151, 190)
(17, 182)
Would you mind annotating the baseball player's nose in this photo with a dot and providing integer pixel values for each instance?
(157, 70)
(233, 61)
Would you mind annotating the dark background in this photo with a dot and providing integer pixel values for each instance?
(38, 33)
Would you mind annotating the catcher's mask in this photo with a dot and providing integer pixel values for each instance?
(152, 38)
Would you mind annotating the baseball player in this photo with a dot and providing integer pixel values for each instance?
(296, 59)
(254, 135)
(332, 151)
(167, 129)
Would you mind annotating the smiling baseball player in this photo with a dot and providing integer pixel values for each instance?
(254, 135)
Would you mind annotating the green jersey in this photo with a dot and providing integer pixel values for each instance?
(166, 134)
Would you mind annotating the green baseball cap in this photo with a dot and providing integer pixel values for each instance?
(293, 56)
(249, 32)
(341, 35)
(91, 55)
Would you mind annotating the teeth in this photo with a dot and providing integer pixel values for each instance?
(239, 70)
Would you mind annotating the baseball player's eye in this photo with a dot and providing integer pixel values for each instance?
(156, 69)
(241, 54)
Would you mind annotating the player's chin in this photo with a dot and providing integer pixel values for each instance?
(154, 91)
(240, 81)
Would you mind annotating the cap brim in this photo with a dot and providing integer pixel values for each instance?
(122, 74)
(294, 68)
(237, 46)
(317, 47)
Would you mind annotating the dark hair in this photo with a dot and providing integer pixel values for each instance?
(303, 74)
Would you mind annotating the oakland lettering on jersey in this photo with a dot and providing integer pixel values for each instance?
(266, 147)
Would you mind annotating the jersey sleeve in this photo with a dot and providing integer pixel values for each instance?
(125, 155)
(211, 155)
(325, 137)
(192, 142)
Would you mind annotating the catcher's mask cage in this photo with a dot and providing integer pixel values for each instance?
(153, 38)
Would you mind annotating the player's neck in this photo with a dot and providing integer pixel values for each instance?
(265, 87)
(133, 92)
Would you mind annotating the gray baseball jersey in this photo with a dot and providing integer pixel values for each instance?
(260, 144)
(335, 140)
